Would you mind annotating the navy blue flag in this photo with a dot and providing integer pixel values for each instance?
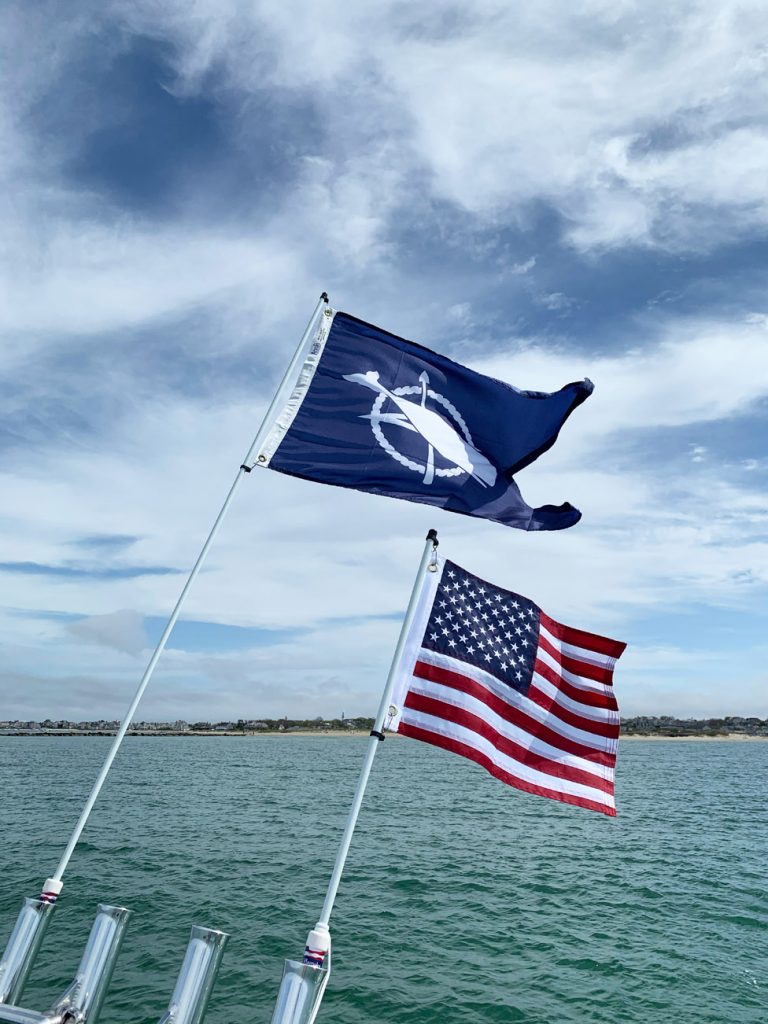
(381, 414)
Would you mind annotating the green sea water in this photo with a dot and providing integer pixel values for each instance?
(463, 901)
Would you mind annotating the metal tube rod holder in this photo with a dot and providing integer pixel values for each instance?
(82, 1001)
(23, 947)
(300, 993)
(84, 997)
(196, 977)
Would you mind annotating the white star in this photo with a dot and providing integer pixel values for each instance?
(515, 604)
(525, 642)
(518, 631)
(443, 604)
(470, 650)
(439, 620)
(445, 632)
(518, 675)
(487, 657)
(474, 633)
(451, 643)
(433, 636)
(503, 666)
(463, 639)
(451, 573)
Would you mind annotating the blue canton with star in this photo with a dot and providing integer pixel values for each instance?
(485, 626)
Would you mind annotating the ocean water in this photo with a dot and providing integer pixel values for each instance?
(463, 900)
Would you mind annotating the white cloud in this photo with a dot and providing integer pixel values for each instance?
(690, 371)
(611, 113)
(296, 554)
(90, 277)
(491, 113)
(638, 125)
(121, 630)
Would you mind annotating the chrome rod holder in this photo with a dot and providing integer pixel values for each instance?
(83, 999)
(300, 993)
(22, 948)
(196, 977)
(18, 1015)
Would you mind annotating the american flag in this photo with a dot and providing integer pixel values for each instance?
(487, 674)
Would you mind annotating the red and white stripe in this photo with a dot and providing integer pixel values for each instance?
(558, 741)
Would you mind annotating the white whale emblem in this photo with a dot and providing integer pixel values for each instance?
(440, 435)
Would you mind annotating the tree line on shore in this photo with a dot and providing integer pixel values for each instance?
(666, 725)
(641, 725)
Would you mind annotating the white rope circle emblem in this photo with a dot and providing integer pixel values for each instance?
(417, 467)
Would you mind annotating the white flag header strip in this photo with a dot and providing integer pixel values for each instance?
(296, 390)
(412, 648)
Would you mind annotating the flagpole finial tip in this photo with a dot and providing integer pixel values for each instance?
(432, 535)
(324, 297)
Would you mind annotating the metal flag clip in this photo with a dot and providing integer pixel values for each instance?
(432, 535)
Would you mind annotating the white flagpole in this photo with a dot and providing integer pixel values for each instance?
(303, 984)
(376, 735)
(53, 885)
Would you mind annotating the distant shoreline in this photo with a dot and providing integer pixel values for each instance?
(345, 733)
(173, 734)
(687, 739)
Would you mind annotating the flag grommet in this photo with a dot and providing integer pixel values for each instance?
(393, 710)
(262, 458)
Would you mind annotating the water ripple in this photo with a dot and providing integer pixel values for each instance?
(463, 901)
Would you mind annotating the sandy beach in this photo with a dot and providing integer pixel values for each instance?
(740, 736)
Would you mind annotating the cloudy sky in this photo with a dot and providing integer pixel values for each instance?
(542, 191)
